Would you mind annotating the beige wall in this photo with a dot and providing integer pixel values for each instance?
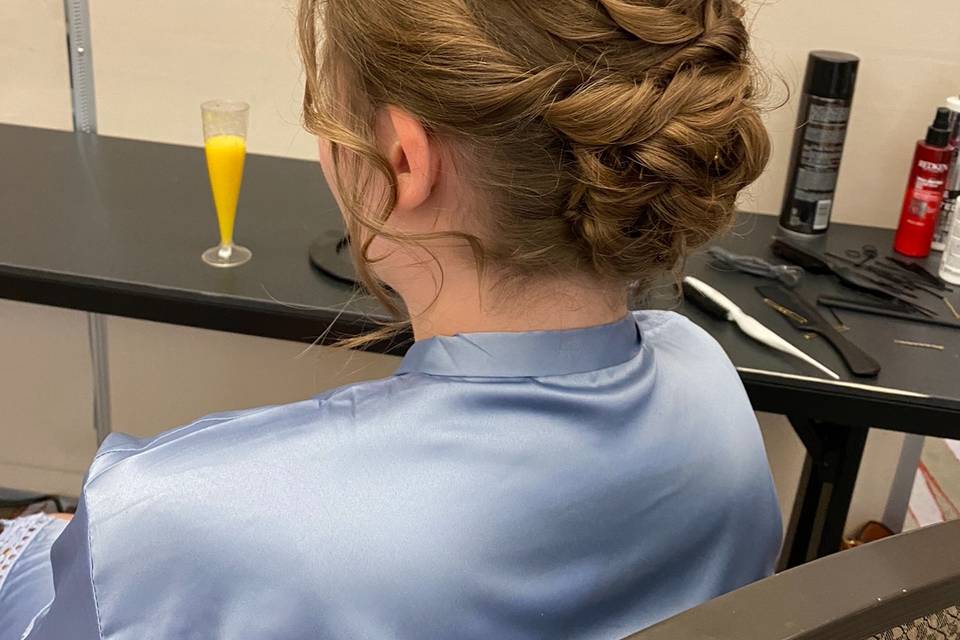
(46, 405)
(34, 68)
(910, 54)
(162, 376)
(155, 62)
(152, 72)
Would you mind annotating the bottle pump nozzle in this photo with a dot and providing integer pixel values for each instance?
(938, 135)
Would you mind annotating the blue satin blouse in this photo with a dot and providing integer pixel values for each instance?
(572, 484)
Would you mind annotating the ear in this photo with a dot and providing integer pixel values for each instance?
(412, 155)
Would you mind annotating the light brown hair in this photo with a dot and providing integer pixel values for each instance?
(606, 137)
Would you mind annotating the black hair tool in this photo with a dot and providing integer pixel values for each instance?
(814, 262)
(903, 279)
(801, 256)
(331, 255)
(921, 273)
(788, 275)
(857, 257)
(805, 317)
(884, 308)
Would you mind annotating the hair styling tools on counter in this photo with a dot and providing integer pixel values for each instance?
(805, 317)
(883, 308)
(718, 305)
(857, 257)
(904, 281)
(787, 274)
(953, 309)
(804, 257)
(815, 262)
(920, 273)
(920, 345)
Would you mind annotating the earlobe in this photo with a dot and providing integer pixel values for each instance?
(414, 159)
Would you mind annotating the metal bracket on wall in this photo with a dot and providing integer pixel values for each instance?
(80, 51)
(81, 65)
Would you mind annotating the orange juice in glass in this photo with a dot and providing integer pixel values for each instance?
(225, 142)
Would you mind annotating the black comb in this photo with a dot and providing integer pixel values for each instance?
(805, 317)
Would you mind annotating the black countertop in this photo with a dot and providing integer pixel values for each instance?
(117, 226)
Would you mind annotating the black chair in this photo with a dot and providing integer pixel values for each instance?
(12, 498)
(906, 587)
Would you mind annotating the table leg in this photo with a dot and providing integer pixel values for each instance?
(826, 487)
(97, 326)
(902, 486)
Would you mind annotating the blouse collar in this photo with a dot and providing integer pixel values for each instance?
(529, 354)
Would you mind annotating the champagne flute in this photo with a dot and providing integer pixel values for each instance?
(225, 141)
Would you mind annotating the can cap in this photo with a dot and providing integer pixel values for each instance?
(831, 74)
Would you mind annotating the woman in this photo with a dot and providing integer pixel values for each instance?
(544, 463)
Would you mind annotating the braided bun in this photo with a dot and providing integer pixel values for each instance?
(610, 136)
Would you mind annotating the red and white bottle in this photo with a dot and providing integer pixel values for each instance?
(928, 178)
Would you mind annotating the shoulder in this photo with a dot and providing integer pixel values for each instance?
(253, 494)
(248, 429)
(673, 333)
(689, 361)
(668, 323)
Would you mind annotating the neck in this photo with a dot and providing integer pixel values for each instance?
(465, 305)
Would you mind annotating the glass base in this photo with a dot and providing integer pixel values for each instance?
(227, 256)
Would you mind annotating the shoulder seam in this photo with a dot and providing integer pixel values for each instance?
(106, 452)
(334, 393)
(663, 318)
(165, 437)
(93, 584)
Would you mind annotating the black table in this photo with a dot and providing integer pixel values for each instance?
(917, 391)
(117, 227)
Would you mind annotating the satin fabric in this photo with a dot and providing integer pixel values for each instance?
(29, 585)
(575, 484)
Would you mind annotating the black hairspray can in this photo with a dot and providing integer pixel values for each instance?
(818, 142)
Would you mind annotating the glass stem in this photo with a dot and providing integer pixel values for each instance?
(225, 251)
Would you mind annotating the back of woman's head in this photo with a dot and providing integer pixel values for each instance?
(605, 137)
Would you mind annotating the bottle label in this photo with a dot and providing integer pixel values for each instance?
(829, 111)
(822, 219)
(923, 205)
(818, 167)
(948, 210)
(950, 263)
(953, 181)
